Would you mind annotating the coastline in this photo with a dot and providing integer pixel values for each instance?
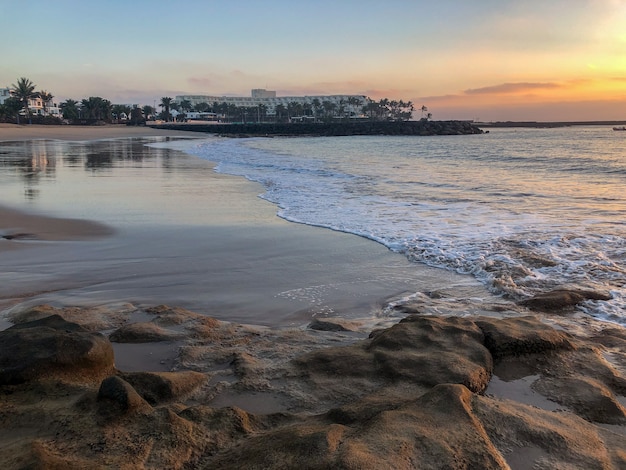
(249, 265)
(237, 394)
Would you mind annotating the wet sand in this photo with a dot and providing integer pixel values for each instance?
(180, 234)
(14, 132)
(18, 226)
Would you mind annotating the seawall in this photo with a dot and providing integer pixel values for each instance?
(423, 127)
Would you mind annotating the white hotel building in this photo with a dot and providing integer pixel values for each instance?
(353, 104)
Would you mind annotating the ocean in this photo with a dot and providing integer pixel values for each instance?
(522, 210)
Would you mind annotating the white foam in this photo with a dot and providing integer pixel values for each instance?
(455, 204)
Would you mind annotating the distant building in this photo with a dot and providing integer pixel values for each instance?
(5, 93)
(352, 104)
(36, 105)
(262, 93)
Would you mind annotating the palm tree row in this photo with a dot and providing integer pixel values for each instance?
(96, 108)
(315, 111)
(85, 111)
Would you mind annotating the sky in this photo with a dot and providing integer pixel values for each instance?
(487, 60)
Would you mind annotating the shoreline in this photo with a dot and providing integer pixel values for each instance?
(22, 132)
(249, 265)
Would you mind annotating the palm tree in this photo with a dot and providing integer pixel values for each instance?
(372, 108)
(185, 106)
(261, 112)
(46, 98)
(307, 109)
(203, 107)
(166, 103)
(353, 102)
(70, 109)
(330, 109)
(25, 91)
(279, 110)
(147, 111)
(424, 109)
(96, 108)
(293, 109)
(316, 106)
(120, 110)
(12, 106)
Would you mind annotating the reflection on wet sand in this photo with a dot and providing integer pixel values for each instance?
(186, 236)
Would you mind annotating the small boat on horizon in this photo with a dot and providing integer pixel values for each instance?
(623, 128)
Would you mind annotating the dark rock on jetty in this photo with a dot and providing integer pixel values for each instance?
(422, 127)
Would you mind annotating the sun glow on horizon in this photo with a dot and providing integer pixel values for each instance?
(461, 57)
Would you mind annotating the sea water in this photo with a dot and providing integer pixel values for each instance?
(523, 210)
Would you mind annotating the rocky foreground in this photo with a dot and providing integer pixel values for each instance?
(425, 393)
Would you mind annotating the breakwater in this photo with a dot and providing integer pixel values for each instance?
(422, 127)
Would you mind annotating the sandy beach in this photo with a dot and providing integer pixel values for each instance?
(14, 132)
(253, 342)
(24, 225)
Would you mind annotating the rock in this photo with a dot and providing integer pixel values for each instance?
(51, 347)
(144, 332)
(161, 387)
(421, 127)
(19, 236)
(562, 299)
(115, 394)
(36, 313)
(167, 316)
(522, 335)
(436, 431)
(587, 397)
(90, 318)
(400, 399)
(328, 325)
(529, 437)
(246, 366)
(424, 350)
(54, 321)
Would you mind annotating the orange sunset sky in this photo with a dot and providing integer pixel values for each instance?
(485, 59)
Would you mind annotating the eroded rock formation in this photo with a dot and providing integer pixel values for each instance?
(415, 395)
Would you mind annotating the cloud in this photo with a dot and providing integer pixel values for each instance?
(505, 88)
(199, 82)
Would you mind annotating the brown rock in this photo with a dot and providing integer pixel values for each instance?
(115, 394)
(588, 398)
(424, 350)
(436, 431)
(529, 437)
(562, 299)
(144, 332)
(328, 325)
(52, 347)
(522, 335)
(160, 387)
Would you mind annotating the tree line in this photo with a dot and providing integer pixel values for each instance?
(314, 111)
(95, 108)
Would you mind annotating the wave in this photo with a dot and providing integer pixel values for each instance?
(514, 249)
